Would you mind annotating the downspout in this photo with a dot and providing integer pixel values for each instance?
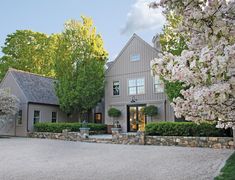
(28, 117)
(165, 108)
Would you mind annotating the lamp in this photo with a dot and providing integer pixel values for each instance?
(133, 99)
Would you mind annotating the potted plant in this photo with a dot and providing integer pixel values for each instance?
(115, 113)
(150, 111)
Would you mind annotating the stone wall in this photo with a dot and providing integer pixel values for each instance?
(140, 139)
(209, 142)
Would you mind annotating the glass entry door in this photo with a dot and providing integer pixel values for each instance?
(136, 118)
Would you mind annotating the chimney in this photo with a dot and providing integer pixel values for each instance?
(156, 42)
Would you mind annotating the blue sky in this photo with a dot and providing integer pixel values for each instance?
(115, 20)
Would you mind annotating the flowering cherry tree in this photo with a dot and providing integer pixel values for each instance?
(209, 30)
(9, 106)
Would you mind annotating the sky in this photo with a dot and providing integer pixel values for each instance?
(115, 20)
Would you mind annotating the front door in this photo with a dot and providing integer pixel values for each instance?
(136, 119)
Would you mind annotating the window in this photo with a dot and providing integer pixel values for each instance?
(158, 85)
(116, 88)
(19, 118)
(98, 117)
(36, 117)
(53, 117)
(136, 86)
(135, 57)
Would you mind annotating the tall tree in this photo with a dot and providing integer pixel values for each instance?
(29, 51)
(209, 29)
(80, 63)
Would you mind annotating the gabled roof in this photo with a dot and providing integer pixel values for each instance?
(127, 44)
(36, 88)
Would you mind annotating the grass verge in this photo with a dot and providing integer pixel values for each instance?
(228, 171)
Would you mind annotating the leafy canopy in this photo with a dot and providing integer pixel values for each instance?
(113, 112)
(29, 51)
(79, 67)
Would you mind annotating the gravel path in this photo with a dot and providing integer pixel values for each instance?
(39, 159)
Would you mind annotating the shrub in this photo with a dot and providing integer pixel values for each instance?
(113, 112)
(150, 110)
(183, 129)
(74, 127)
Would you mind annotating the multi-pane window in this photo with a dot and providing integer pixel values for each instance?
(36, 117)
(135, 57)
(53, 117)
(116, 88)
(158, 85)
(19, 118)
(136, 86)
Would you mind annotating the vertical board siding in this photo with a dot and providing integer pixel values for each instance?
(123, 69)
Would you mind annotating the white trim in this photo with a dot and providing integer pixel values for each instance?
(136, 78)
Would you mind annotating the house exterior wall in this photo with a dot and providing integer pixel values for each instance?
(9, 83)
(46, 114)
(122, 70)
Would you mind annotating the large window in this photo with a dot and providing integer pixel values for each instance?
(158, 85)
(36, 117)
(136, 86)
(53, 117)
(116, 88)
(19, 118)
(135, 57)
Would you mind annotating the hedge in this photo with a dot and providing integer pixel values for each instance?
(184, 129)
(74, 127)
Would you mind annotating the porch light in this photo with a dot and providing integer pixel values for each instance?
(133, 99)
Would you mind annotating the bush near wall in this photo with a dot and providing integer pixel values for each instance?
(184, 129)
(74, 127)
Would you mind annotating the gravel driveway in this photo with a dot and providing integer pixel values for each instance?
(39, 159)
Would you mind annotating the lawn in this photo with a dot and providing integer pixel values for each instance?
(228, 171)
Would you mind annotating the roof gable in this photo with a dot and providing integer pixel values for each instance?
(37, 89)
(132, 40)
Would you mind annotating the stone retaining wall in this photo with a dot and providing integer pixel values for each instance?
(209, 142)
(140, 139)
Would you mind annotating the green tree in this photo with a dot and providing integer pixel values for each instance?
(174, 43)
(29, 51)
(80, 63)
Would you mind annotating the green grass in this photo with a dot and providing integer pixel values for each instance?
(228, 171)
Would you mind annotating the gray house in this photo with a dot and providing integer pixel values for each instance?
(38, 101)
(130, 86)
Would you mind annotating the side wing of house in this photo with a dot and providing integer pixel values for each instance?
(18, 125)
(130, 86)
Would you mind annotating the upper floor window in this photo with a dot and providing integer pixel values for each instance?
(19, 118)
(116, 88)
(158, 85)
(136, 86)
(36, 117)
(135, 57)
(53, 117)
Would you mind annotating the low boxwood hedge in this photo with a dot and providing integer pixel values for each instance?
(74, 127)
(184, 129)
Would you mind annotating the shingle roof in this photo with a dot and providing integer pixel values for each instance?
(37, 89)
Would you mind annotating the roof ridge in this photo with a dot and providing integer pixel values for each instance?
(26, 72)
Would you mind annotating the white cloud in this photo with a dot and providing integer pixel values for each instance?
(141, 17)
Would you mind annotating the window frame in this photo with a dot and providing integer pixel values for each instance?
(95, 119)
(56, 117)
(136, 57)
(113, 88)
(39, 118)
(158, 84)
(19, 115)
(136, 86)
